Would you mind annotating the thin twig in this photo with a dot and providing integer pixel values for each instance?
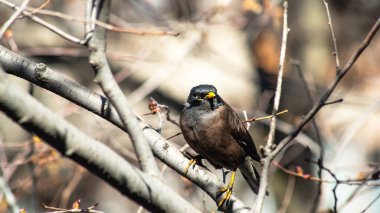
(73, 210)
(349, 199)
(50, 27)
(335, 53)
(11, 41)
(3, 152)
(300, 72)
(337, 182)
(269, 144)
(9, 196)
(329, 89)
(351, 182)
(102, 24)
(42, 6)
(371, 203)
(265, 117)
(340, 100)
(31, 165)
(175, 135)
(156, 108)
(14, 16)
(71, 185)
(277, 95)
(246, 118)
(288, 194)
(311, 97)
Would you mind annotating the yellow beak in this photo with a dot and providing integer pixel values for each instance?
(210, 95)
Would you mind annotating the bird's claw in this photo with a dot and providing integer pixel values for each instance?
(227, 191)
(194, 160)
(227, 195)
(191, 162)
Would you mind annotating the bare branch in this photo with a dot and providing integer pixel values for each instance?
(75, 209)
(269, 144)
(163, 149)
(263, 118)
(350, 181)
(9, 196)
(102, 24)
(335, 53)
(42, 6)
(288, 194)
(40, 21)
(340, 100)
(91, 154)
(71, 185)
(329, 89)
(310, 90)
(277, 96)
(371, 203)
(14, 16)
(104, 77)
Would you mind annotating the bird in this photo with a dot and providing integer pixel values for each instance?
(214, 130)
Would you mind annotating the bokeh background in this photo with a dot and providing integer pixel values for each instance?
(232, 44)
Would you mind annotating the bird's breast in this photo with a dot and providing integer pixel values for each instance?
(209, 134)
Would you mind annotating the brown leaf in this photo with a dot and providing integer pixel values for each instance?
(76, 204)
(299, 171)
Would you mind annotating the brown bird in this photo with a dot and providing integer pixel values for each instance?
(213, 129)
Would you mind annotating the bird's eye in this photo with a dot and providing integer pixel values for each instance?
(195, 94)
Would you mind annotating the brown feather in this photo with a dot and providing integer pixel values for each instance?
(213, 129)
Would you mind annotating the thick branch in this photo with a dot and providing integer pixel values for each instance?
(99, 105)
(93, 155)
(99, 62)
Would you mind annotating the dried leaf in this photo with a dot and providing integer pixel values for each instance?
(153, 106)
(22, 211)
(360, 176)
(76, 204)
(299, 171)
(8, 34)
(252, 5)
(306, 176)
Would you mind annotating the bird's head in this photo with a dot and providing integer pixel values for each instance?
(204, 95)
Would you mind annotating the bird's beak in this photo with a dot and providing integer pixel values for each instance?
(210, 95)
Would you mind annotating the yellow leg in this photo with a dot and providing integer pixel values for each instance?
(191, 162)
(227, 190)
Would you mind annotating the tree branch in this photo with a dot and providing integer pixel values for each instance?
(9, 196)
(50, 27)
(269, 145)
(104, 77)
(329, 89)
(93, 155)
(99, 105)
(14, 16)
(335, 53)
(321, 103)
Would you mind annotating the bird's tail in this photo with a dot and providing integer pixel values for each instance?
(250, 174)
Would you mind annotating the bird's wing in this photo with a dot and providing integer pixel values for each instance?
(241, 134)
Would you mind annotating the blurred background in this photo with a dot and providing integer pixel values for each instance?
(232, 44)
